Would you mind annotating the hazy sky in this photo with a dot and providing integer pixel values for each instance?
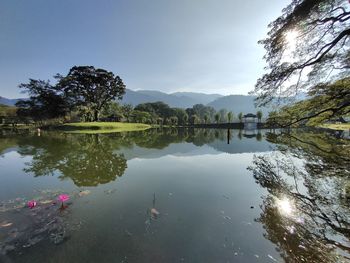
(205, 46)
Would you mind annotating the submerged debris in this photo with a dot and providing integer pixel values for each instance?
(154, 212)
(84, 192)
(110, 191)
(272, 258)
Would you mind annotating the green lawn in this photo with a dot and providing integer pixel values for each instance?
(102, 127)
(333, 126)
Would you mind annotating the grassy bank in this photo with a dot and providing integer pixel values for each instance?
(102, 127)
(333, 126)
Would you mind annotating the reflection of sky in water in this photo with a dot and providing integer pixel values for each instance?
(211, 208)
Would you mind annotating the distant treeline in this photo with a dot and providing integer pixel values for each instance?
(161, 113)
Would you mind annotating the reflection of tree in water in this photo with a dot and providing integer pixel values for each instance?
(306, 213)
(162, 138)
(92, 159)
(88, 160)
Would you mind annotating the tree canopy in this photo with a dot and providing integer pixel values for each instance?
(84, 89)
(325, 102)
(307, 45)
(91, 87)
(45, 102)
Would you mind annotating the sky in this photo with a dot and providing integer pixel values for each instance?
(207, 46)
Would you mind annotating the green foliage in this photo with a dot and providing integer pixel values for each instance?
(112, 110)
(217, 117)
(45, 102)
(327, 101)
(126, 111)
(206, 118)
(223, 115)
(90, 87)
(230, 116)
(194, 119)
(181, 115)
(141, 117)
(159, 108)
(85, 90)
(173, 120)
(201, 110)
(259, 115)
(240, 116)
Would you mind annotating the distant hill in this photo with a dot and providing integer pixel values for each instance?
(198, 97)
(237, 104)
(178, 99)
(8, 102)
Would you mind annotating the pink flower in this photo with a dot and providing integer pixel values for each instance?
(63, 198)
(31, 204)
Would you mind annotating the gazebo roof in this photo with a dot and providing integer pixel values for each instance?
(250, 115)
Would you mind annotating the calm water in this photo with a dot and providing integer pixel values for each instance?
(175, 196)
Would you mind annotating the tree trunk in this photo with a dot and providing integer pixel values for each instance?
(95, 115)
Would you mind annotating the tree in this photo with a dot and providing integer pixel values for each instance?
(91, 87)
(112, 110)
(201, 110)
(194, 119)
(45, 101)
(160, 121)
(217, 117)
(141, 116)
(240, 116)
(229, 116)
(127, 110)
(259, 115)
(223, 115)
(159, 108)
(306, 45)
(326, 101)
(173, 120)
(206, 118)
(185, 119)
(181, 116)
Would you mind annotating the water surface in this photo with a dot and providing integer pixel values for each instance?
(175, 196)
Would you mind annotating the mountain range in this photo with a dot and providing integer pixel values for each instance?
(8, 102)
(235, 103)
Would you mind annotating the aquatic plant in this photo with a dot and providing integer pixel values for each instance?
(63, 198)
(32, 204)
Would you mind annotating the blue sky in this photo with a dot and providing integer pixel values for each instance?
(207, 46)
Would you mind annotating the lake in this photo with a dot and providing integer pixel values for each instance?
(175, 195)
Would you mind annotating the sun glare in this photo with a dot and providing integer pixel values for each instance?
(285, 207)
(291, 37)
(291, 44)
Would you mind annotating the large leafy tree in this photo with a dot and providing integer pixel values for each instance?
(307, 45)
(45, 101)
(91, 87)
